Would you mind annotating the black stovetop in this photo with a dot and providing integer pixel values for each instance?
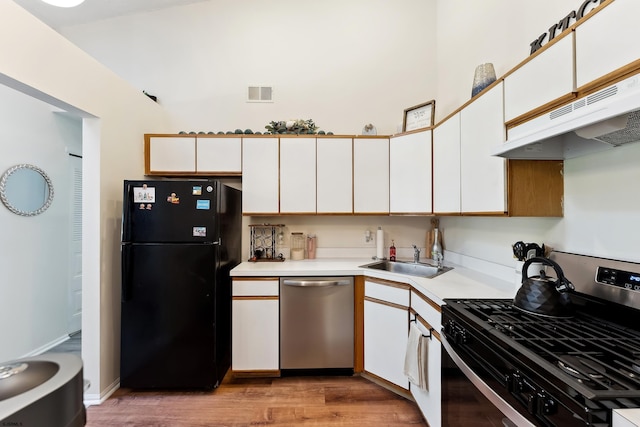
(600, 355)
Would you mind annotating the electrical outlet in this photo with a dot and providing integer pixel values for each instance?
(369, 238)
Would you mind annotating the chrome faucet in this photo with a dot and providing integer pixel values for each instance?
(416, 254)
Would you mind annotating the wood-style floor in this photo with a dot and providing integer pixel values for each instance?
(289, 401)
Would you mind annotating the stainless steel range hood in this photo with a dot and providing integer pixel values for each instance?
(597, 122)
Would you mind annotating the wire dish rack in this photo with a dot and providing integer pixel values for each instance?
(263, 243)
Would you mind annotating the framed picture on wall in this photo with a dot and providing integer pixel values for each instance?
(419, 116)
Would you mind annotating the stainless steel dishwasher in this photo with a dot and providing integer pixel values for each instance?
(316, 325)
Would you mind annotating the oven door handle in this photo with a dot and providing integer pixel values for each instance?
(513, 415)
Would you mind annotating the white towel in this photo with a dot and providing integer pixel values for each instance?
(416, 357)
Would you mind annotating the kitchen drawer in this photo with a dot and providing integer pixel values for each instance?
(255, 287)
(388, 291)
(427, 310)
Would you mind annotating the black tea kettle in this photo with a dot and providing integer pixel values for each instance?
(542, 295)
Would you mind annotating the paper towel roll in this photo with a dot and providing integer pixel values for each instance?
(380, 243)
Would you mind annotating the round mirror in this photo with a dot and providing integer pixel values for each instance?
(26, 190)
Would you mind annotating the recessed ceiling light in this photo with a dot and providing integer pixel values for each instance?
(63, 3)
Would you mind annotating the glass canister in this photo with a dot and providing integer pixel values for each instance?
(297, 246)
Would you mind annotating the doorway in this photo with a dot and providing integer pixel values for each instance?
(75, 246)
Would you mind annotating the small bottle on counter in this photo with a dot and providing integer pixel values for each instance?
(436, 249)
(392, 251)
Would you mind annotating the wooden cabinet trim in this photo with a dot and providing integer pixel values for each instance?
(390, 283)
(536, 112)
(358, 323)
(424, 323)
(409, 132)
(413, 213)
(147, 154)
(256, 374)
(609, 79)
(400, 391)
(255, 298)
(426, 299)
(388, 304)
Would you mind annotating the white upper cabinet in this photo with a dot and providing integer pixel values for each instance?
(172, 154)
(483, 177)
(371, 175)
(218, 155)
(334, 175)
(608, 40)
(446, 166)
(545, 78)
(298, 175)
(260, 184)
(410, 173)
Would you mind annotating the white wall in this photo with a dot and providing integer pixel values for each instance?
(34, 252)
(341, 63)
(38, 61)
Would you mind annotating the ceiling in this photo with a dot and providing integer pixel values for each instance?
(93, 10)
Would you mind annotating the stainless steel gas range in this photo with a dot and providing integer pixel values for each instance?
(546, 371)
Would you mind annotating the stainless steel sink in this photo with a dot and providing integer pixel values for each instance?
(411, 268)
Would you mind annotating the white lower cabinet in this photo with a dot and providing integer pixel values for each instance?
(385, 332)
(429, 400)
(255, 332)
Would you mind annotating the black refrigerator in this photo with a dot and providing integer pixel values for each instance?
(180, 239)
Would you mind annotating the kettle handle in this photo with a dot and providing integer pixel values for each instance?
(562, 285)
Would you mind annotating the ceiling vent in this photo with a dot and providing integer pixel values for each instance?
(260, 94)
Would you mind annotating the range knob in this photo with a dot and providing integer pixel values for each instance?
(546, 405)
(460, 336)
(449, 328)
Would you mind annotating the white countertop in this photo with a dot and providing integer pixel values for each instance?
(460, 282)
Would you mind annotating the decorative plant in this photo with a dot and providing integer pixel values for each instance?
(299, 126)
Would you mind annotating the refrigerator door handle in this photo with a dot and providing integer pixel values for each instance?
(127, 284)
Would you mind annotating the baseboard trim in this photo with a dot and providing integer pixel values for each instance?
(98, 399)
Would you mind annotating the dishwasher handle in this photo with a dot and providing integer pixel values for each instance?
(316, 283)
